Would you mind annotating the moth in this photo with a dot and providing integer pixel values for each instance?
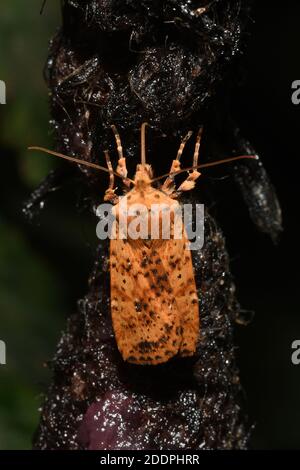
(154, 302)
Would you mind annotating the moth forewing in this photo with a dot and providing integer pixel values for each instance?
(153, 317)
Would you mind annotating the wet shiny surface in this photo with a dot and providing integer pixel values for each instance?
(99, 402)
(123, 63)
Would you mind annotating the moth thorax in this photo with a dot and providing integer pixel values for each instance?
(150, 221)
(143, 176)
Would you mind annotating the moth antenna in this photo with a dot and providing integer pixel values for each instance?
(143, 143)
(76, 160)
(118, 141)
(227, 160)
(206, 165)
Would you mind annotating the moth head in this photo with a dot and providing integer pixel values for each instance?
(143, 176)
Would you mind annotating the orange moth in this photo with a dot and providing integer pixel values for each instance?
(154, 301)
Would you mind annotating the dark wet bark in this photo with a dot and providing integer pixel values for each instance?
(125, 62)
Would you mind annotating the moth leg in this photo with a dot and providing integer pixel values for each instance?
(190, 181)
(110, 192)
(168, 185)
(121, 168)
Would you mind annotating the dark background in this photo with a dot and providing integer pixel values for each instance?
(267, 277)
(44, 264)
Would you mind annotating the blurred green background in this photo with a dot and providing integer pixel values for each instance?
(37, 288)
(44, 264)
(32, 303)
